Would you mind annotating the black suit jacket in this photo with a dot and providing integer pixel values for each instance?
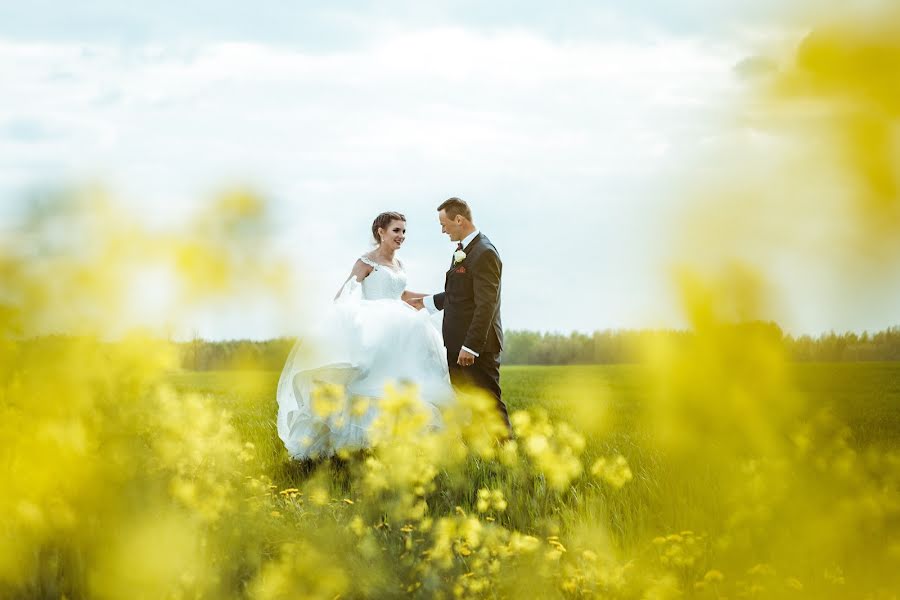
(471, 300)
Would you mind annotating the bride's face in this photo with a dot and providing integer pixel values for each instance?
(393, 236)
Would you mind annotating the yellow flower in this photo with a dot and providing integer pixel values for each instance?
(498, 501)
(357, 526)
(537, 444)
(318, 495)
(359, 406)
(519, 542)
(713, 576)
(613, 471)
(327, 399)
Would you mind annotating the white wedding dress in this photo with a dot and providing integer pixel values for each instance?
(368, 339)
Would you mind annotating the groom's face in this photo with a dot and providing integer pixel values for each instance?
(452, 227)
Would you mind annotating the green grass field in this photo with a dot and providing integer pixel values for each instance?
(721, 472)
(865, 396)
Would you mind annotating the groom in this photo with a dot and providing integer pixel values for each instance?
(473, 334)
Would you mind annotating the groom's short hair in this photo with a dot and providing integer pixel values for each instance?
(455, 206)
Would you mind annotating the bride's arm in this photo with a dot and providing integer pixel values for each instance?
(414, 299)
(360, 270)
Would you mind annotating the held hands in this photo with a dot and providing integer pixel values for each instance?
(416, 303)
(465, 359)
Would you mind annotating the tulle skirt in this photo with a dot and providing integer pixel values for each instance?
(334, 376)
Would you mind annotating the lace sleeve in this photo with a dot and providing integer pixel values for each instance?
(369, 262)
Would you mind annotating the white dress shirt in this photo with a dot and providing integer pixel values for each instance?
(428, 301)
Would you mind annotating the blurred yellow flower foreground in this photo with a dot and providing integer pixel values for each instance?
(122, 478)
(120, 482)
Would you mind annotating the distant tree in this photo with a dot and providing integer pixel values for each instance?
(523, 347)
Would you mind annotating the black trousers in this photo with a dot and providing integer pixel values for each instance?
(483, 374)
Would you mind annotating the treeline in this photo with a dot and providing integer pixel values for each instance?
(534, 348)
(629, 346)
(201, 355)
(846, 347)
(600, 347)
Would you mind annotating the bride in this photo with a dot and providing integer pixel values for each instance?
(369, 338)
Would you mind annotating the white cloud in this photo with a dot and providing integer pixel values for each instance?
(560, 146)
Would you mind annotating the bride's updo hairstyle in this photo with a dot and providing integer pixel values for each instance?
(382, 221)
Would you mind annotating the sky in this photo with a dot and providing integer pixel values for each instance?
(566, 130)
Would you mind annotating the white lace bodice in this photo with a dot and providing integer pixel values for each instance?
(383, 281)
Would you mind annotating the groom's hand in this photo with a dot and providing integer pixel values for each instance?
(416, 303)
(465, 359)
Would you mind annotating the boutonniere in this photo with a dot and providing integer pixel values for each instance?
(458, 257)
